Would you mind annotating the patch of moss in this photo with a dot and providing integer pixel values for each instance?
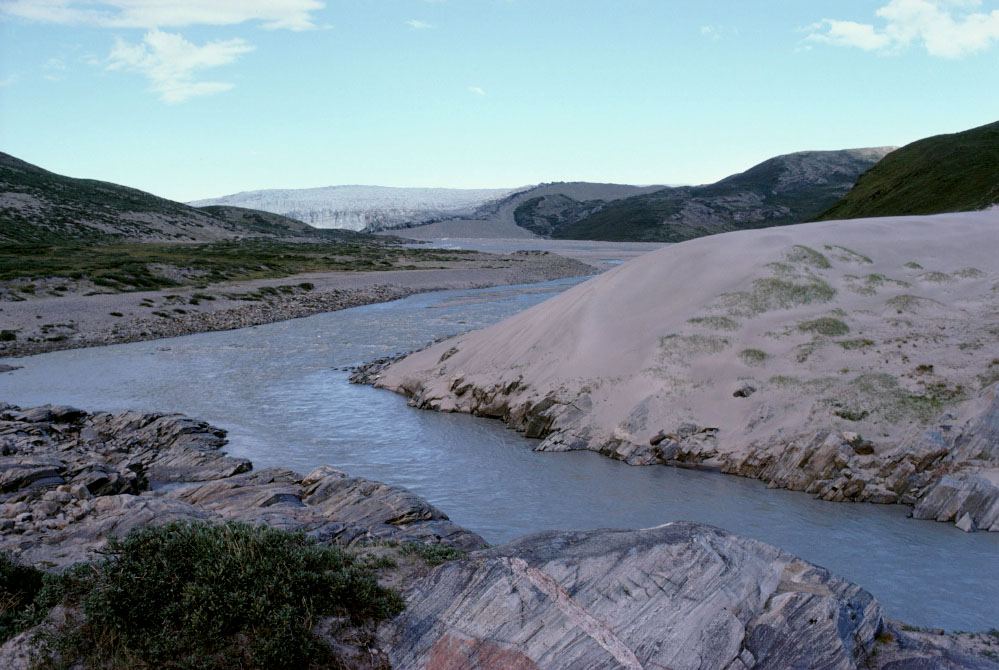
(825, 325)
(753, 357)
(799, 253)
(679, 347)
(859, 343)
(715, 322)
(991, 374)
(879, 394)
(909, 303)
(847, 255)
(936, 277)
(869, 284)
(777, 293)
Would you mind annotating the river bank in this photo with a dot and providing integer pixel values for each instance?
(80, 316)
(70, 478)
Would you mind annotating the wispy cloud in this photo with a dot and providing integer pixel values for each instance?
(7, 81)
(170, 62)
(945, 28)
(716, 33)
(418, 25)
(476, 90)
(273, 14)
(53, 69)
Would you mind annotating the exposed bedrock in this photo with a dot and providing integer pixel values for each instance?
(69, 479)
(681, 596)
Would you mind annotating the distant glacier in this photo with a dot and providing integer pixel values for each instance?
(367, 208)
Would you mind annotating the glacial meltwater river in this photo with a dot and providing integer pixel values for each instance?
(278, 391)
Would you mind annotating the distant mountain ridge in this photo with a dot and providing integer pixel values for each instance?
(38, 206)
(958, 172)
(786, 189)
(499, 218)
(367, 208)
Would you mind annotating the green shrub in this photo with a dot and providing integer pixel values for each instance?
(433, 554)
(201, 596)
(7, 336)
(19, 584)
(27, 594)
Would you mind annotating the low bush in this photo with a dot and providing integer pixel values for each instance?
(201, 596)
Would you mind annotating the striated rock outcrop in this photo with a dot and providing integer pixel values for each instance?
(683, 596)
(679, 596)
(69, 479)
(869, 348)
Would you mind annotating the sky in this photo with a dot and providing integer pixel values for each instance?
(194, 99)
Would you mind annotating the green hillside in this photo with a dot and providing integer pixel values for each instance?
(945, 173)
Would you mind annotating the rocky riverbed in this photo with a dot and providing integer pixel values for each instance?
(680, 596)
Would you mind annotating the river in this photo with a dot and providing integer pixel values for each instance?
(279, 391)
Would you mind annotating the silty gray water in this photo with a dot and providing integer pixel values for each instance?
(277, 390)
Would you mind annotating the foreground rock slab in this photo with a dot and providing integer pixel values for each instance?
(679, 596)
(683, 596)
(69, 479)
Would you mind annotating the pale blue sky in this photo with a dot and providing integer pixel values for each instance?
(199, 98)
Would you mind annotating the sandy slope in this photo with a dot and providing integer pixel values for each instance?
(856, 337)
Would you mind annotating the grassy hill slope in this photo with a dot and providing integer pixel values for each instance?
(946, 173)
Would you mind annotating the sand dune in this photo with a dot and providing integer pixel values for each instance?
(851, 359)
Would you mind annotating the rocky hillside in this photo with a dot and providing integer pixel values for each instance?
(783, 190)
(38, 206)
(945, 173)
(853, 362)
(368, 208)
